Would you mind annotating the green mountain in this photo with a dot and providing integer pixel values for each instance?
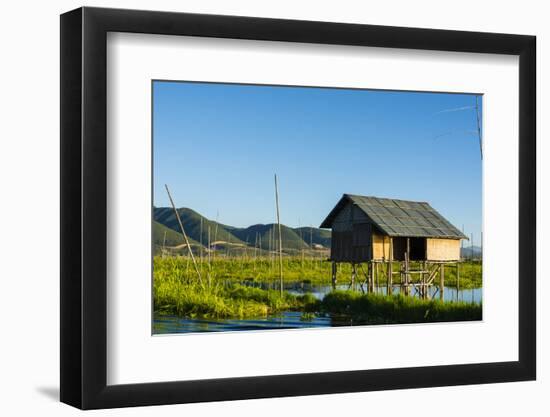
(268, 236)
(194, 224)
(315, 236)
(171, 238)
(223, 236)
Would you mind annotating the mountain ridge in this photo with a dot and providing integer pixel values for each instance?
(265, 236)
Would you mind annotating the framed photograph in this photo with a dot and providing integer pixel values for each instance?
(257, 208)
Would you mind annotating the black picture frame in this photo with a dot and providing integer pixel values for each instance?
(84, 207)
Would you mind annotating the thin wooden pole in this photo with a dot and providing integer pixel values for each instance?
(164, 244)
(260, 246)
(184, 234)
(311, 244)
(390, 268)
(408, 266)
(479, 127)
(209, 244)
(457, 279)
(255, 250)
(280, 236)
(441, 282)
(334, 272)
(200, 249)
(372, 270)
(209, 260)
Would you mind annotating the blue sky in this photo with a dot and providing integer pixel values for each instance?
(217, 146)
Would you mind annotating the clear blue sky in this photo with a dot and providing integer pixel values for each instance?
(217, 146)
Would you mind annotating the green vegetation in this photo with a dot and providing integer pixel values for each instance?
(223, 301)
(223, 294)
(313, 268)
(378, 309)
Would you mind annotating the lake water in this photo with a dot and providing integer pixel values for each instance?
(473, 295)
(165, 324)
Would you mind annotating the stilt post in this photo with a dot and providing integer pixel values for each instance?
(457, 279)
(390, 269)
(441, 281)
(353, 275)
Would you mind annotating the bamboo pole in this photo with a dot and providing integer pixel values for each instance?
(255, 250)
(311, 244)
(184, 235)
(280, 236)
(479, 127)
(472, 247)
(200, 249)
(457, 280)
(441, 282)
(390, 268)
(209, 260)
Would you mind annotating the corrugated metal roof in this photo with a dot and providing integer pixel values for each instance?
(399, 217)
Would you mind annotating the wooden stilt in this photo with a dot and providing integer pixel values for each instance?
(389, 283)
(457, 280)
(353, 275)
(407, 268)
(390, 269)
(334, 272)
(371, 276)
(421, 282)
(376, 276)
(441, 282)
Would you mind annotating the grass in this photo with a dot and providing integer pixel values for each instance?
(314, 270)
(178, 292)
(377, 309)
(218, 302)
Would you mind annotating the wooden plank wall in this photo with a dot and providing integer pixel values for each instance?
(443, 249)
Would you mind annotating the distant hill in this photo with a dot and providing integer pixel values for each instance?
(224, 236)
(265, 232)
(163, 235)
(191, 220)
(315, 236)
(467, 251)
(173, 238)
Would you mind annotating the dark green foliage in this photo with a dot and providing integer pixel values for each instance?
(376, 308)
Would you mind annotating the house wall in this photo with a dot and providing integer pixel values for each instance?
(343, 220)
(380, 246)
(443, 249)
(351, 236)
(354, 241)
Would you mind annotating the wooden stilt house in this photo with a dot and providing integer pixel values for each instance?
(369, 228)
(381, 230)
